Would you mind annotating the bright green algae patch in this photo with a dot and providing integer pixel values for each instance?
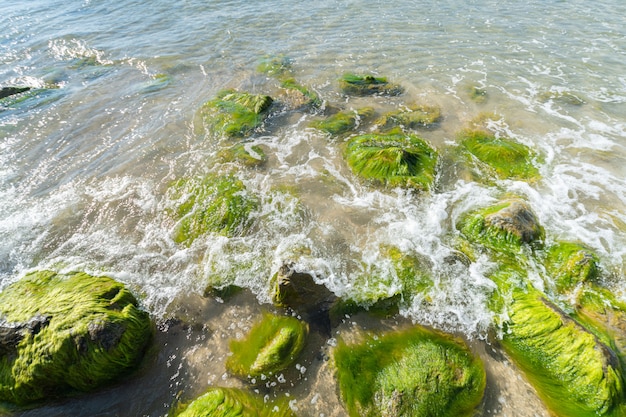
(216, 203)
(272, 345)
(574, 372)
(235, 114)
(82, 332)
(393, 159)
(504, 158)
(344, 121)
(569, 264)
(232, 402)
(368, 85)
(413, 373)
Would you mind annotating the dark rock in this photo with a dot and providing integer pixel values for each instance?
(517, 219)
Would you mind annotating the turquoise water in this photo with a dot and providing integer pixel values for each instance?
(85, 165)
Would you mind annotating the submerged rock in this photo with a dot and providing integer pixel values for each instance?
(232, 402)
(216, 203)
(297, 95)
(412, 117)
(235, 114)
(393, 159)
(504, 226)
(245, 154)
(411, 373)
(368, 85)
(500, 157)
(272, 345)
(343, 122)
(64, 333)
(11, 91)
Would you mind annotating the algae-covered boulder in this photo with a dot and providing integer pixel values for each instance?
(235, 114)
(569, 264)
(245, 154)
(297, 95)
(368, 85)
(272, 345)
(411, 373)
(393, 159)
(411, 117)
(343, 122)
(500, 157)
(504, 226)
(232, 402)
(214, 204)
(65, 333)
(573, 371)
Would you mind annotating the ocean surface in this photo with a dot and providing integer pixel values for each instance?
(87, 160)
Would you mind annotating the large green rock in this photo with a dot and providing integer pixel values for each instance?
(214, 204)
(66, 333)
(235, 114)
(574, 372)
(272, 345)
(232, 402)
(499, 157)
(503, 227)
(412, 373)
(393, 159)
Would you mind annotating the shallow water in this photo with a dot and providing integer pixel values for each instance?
(85, 166)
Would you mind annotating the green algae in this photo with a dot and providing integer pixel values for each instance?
(503, 227)
(89, 332)
(343, 122)
(393, 159)
(235, 114)
(569, 264)
(280, 67)
(412, 117)
(232, 402)
(477, 94)
(412, 373)
(272, 345)
(249, 156)
(214, 204)
(562, 97)
(368, 85)
(308, 97)
(574, 372)
(500, 157)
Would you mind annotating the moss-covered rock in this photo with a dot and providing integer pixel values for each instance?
(393, 159)
(235, 114)
(245, 154)
(368, 85)
(573, 371)
(562, 97)
(216, 203)
(412, 373)
(477, 94)
(297, 95)
(503, 227)
(272, 345)
(66, 333)
(412, 117)
(343, 122)
(569, 264)
(500, 157)
(232, 402)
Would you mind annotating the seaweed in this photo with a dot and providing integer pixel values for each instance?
(367, 85)
(412, 117)
(414, 373)
(272, 345)
(83, 332)
(216, 203)
(233, 402)
(343, 122)
(393, 159)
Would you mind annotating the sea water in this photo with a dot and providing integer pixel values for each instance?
(86, 163)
